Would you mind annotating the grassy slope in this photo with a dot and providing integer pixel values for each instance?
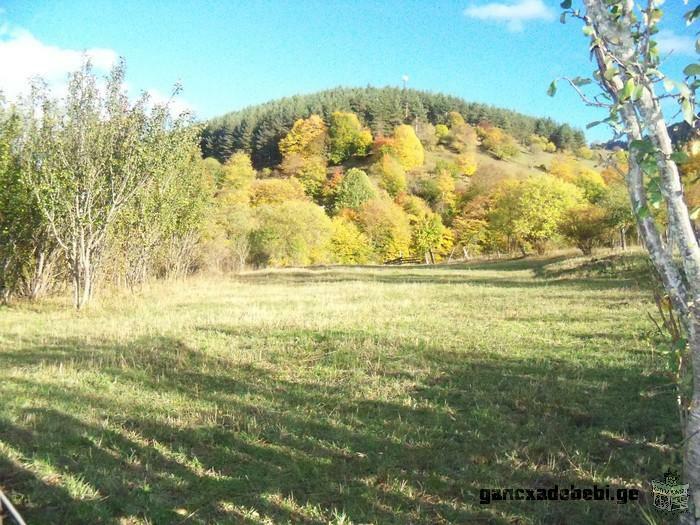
(388, 394)
(523, 164)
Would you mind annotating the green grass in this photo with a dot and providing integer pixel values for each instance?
(336, 395)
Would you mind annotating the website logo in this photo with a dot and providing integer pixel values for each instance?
(670, 494)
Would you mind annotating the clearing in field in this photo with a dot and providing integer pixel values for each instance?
(342, 395)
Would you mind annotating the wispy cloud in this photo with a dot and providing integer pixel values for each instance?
(514, 14)
(23, 56)
(670, 42)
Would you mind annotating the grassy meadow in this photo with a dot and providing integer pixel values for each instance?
(384, 395)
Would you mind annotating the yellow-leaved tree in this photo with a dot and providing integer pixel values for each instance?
(407, 148)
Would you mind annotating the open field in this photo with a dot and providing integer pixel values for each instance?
(342, 395)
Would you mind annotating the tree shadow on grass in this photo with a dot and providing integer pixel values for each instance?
(411, 276)
(294, 447)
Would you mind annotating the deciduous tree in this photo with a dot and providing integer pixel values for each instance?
(347, 137)
(90, 156)
(627, 61)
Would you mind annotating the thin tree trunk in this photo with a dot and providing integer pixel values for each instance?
(691, 465)
(623, 239)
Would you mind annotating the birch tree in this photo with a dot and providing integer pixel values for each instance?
(631, 87)
(89, 155)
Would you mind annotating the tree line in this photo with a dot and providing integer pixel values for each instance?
(95, 187)
(257, 130)
(97, 190)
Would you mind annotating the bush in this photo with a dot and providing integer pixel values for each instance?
(540, 143)
(276, 191)
(310, 172)
(467, 163)
(347, 137)
(592, 184)
(530, 211)
(425, 132)
(391, 175)
(387, 227)
(441, 132)
(498, 143)
(348, 245)
(292, 233)
(586, 227)
(355, 189)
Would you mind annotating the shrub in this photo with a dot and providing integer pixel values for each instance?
(347, 137)
(276, 191)
(586, 227)
(531, 211)
(499, 144)
(354, 190)
(348, 245)
(310, 172)
(441, 132)
(291, 233)
(391, 174)
(387, 227)
(425, 132)
(467, 163)
(592, 184)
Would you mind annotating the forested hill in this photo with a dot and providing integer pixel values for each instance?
(257, 130)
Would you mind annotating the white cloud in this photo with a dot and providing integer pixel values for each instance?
(23, 56)
(670, 42)
(514, 14)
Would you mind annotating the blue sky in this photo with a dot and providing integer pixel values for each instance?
(230, 54)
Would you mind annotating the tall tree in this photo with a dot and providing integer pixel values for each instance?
(89, 156)
(347, 137)
(627, 60)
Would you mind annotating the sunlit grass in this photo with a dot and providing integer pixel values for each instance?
(337, 395)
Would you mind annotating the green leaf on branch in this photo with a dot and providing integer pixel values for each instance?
(688, 111)
(637, 93)
(679, 157)
(552, 88)
(610, 73)
(642, 212)
(692, 70)
(627, 90)
(581, 81)
(649, 166)
(588, 30)
(654, 195)
(566, 4)
(643, 147)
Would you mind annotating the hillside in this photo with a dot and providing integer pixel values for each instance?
(257, 130)
(418, 190)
